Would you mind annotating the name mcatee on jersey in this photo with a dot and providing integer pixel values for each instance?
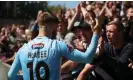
(41, 54)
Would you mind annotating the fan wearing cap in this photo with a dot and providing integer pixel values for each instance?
(83, 34)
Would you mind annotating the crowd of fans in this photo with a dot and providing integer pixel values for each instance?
(76, 32)
(12, 38)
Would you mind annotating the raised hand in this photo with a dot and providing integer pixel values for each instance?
(130, 65)
(78, 8)
(96, 26)
(40, 17)
(83, 8)
(91, 19)
(83, 4)
(100, 46)
(93, 22)
(106, 3)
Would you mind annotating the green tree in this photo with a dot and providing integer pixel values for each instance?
(29, 9)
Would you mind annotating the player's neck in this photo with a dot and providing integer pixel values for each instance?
(44, 32)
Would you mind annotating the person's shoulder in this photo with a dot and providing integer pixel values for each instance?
(24, 48)
(129, 45)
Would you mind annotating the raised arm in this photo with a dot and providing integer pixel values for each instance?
(71, 22)
(84, 57)
(84, 73)
(34, 30)
(102, 12)
(68, 66)
(108, 11)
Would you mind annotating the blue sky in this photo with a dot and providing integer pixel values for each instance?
(68, 4)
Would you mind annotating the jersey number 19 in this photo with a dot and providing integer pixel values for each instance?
(37, 70)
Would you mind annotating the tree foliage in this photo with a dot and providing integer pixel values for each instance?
(29, 9)
(25, 9)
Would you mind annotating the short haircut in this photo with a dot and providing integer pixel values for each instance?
(49, 18)
(118, 25)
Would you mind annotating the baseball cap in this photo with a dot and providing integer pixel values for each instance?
(83, 24)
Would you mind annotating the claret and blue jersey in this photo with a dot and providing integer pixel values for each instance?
(40, 58)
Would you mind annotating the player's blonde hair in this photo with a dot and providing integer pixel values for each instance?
(49, 18)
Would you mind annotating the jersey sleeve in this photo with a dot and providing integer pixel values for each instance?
(15, 67)
(78, 56)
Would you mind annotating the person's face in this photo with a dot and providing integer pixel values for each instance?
(130, 12)
(84, 34)
(114, 7)
(88, 34)
(78, 33)
(68, 14)
(112, 34)
(61, 27)
(19, 44)
(110, 4)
